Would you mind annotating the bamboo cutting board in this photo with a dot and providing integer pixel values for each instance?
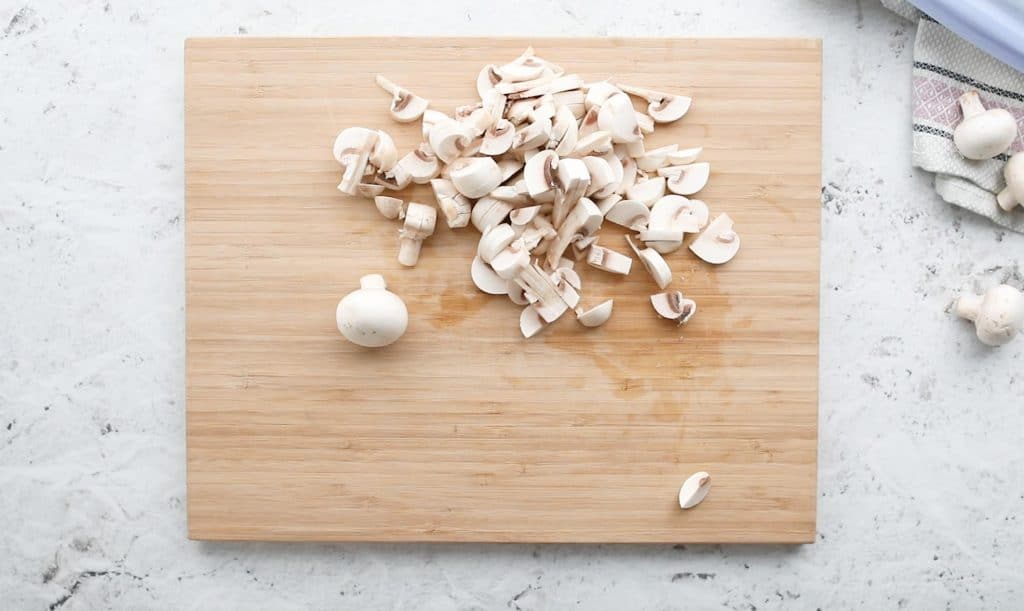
(464, 431)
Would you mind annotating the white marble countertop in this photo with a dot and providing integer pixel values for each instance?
(921, 471)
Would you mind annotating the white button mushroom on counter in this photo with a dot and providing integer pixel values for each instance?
(983, 134)
(372, 316)
(998, 315)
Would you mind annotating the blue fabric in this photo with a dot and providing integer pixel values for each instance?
(996, 26)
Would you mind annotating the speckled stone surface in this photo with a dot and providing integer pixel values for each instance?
(921, 470)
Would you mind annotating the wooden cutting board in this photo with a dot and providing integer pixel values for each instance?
(464, 431)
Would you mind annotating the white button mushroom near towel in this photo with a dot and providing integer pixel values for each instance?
(998, 315)
(372, 316)
(983, 134)
(1013, 195)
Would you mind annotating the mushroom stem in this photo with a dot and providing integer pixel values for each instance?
(971, 104)
(372, 281)
(389, 86)
(967, 306)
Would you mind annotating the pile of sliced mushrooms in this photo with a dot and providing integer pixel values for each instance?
(537, 165)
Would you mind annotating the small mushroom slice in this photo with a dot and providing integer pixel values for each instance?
(718, 243)
(488, 212)
(516, 294)
(655, 264)
(599, 92)
(454, 206)
(369, 189)
(686, 179)
(389, 207)
(602, 178)
(567, 82)
(421, 165)
(530, 322)
(495, 240)
(509, 167)
(665, 240)
(542, 293)
(524, 216)
(583, 220)
(565, 273)
(645, 123)
(567, 284)
(487, 80)
(564, 131)
(595, 316)
(647, 191)
(509, 263)
(673, 306)
(430, 119)
(540, 175)
(486, 279)
(448, 139)
(419, 225)
(588, 124)
(573, 183)
(605, 204)
(574, 100)
(694, 490)
(352, 149)
(618, 118)
(628, 174)
(395, 180)
(498, 138)
(581, 246)
(532, 135)
(663, 107)
(405, 106)
(494, 103)
(629, 213)
(523, 68)
(512, 194)
(598, 142)
(656, 158)
(475, 177)
(679, 213)
(615, 165)
(543, 109)
(684, 156)
(608, 260)
(478, 121)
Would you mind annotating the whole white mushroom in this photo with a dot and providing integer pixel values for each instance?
(998, 315)
(372, 316)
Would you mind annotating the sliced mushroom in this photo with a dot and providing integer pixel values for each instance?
(605, 204)
(679, 214)
(673, 306)
(419, 225)
(448, 139)
(602, 178)
(532, 135)
(599, 142)
(595, 316)
(564, 132)
(509, 263)
(588, 124)
(665, 240)
(629, 213)
(656, 158)
(455, 207)
(508, 168)
(647, 191)
(498, 138)
(618, 118)
(512, 194)
(369, 190)
(718, 243)
(684, 156)
(540, 175)
(573, 180)
(430, 119)
(654, 263)
(542, 293)
(530, 322)
(395, 180)
(598, 93)
(488, 212)
(645, 123)
(663, 107)
(559, 84)
(628, 173)
(486, 279)
(495, 240)
(686, 179)
(352, 149)
(475, 177)
(524, 216)
(421, 165)
(583, 220)
(487, 80)
(516, 294)
(568, 291)
(608, 260)
(405, 106)
(573, 100)
(389, 207)
(523, 68)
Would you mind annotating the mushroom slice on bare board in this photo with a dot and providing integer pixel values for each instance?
(654, 263)
(595, 316)
(673, 306)
(718, 243)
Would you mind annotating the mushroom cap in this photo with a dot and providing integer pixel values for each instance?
(669, 108)
(985, 135)
(597, 315)
(718, 243)
(485, 278)
(372, 317)
(1001, 315)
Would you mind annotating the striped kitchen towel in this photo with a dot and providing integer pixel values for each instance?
(945, 67)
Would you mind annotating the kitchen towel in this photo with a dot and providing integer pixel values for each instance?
(945, 67)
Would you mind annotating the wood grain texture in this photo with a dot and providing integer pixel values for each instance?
(463, 431)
